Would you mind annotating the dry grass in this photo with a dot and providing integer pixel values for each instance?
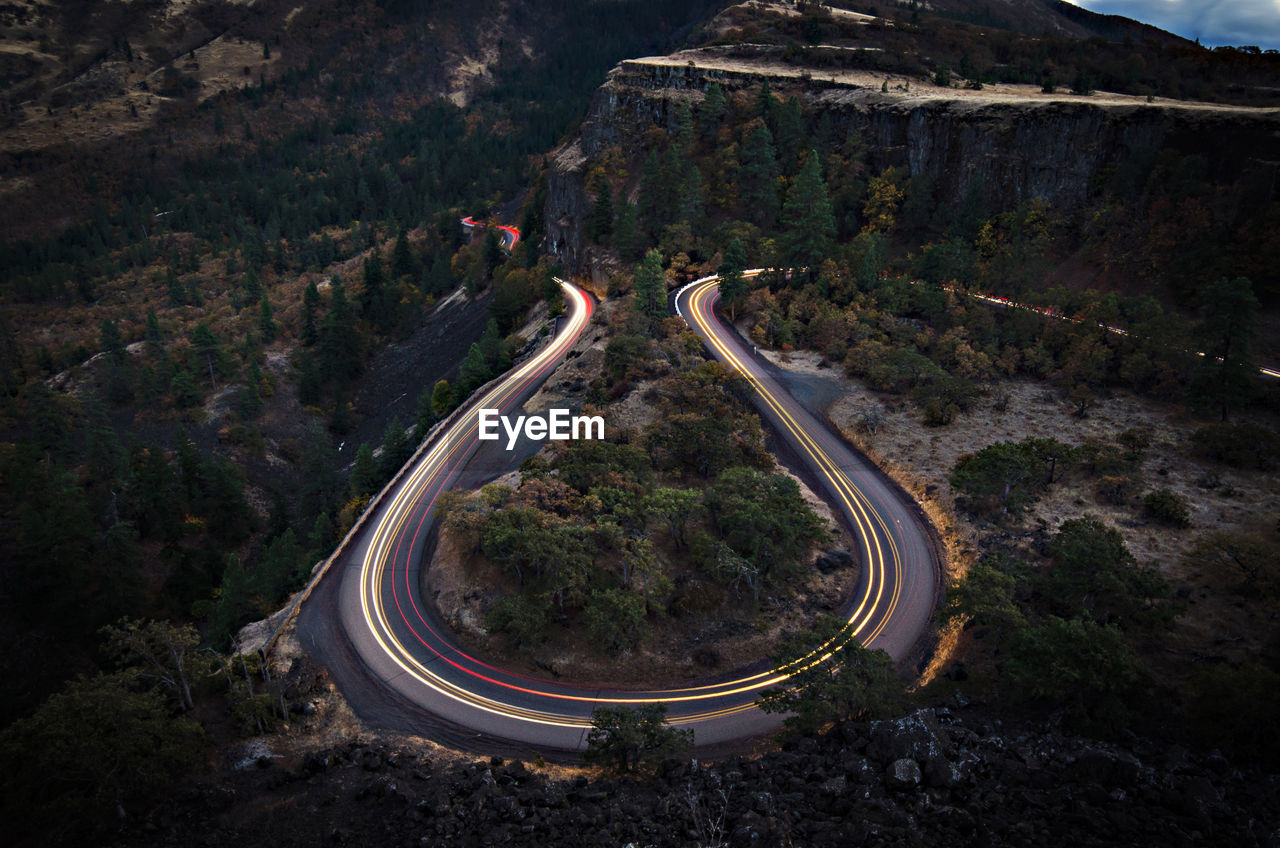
(1219, 622)
(912, 91)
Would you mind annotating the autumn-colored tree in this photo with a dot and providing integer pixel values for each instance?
(884, 196)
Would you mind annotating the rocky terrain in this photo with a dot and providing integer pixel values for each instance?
(1012, 141)
(943, 775)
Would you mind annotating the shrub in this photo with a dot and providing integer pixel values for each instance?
(1167, 507)
(1240, 445)
(1117, 490)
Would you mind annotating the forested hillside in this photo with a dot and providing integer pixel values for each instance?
(188, 308)
(220, 219)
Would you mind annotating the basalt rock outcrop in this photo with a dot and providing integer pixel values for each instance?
(1012, 149)
(943, 776)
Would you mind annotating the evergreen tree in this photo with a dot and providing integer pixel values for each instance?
(339, 344)
(624, 739)
(252, 287)
(649, 193)
(689, 208)
(854, 684)
(396, 449)
(249, 401)
(364, 474)
(733, 287)
(492, 348)
(474, 371)
(320, 540)
(492, 251)
(266, 322)
(600, 221)
(373, 296)
(626, 231)
(1226, 376)
(426, 417)
(809, 225)
(765, 104)
(208, 352)
(758, 182)
(177, 291)
(442, 401)
(403, 262)
(310, 305)
(650, 288)
(154, 335)
(714, 107)
(683, 131)
(788, 134)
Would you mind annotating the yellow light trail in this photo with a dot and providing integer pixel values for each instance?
(879, 547)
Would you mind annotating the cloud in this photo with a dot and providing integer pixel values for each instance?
(1214, 22)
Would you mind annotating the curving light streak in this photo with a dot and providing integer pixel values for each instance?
(1051, 312)
(403, 634)
(510, 235)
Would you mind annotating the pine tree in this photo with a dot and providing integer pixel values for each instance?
(683, 131)
(788, 134)
(177, 291)
(1226, 376)
(339, 344)
(600, 222)
(765, 104)
(758, 183)
(249, 400)
(364, 474)
(373, 296)
(474, 371)
(403, 263)
(492, 348)
(626, 231)
(807, 219)
(396, 449)
(310, 305)
(732, 284)
(252, 287)
(266, 322)
(713, 111)
(153, 333)
(690, 205)
(649, 200)
(650, 288)
(208, 352)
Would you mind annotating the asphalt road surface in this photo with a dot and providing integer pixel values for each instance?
(391, 656)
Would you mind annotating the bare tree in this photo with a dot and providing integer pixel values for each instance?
(160, 651)
(709, 812)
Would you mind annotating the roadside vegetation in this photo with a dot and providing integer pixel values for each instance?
(879, 289)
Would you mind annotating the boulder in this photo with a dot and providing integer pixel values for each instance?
(903, 774)
(917, 736)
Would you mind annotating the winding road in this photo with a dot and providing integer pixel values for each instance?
(399, 644)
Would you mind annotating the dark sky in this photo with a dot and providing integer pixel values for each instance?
(1214, 22)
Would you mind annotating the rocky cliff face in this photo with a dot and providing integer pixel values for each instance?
(1015, 144)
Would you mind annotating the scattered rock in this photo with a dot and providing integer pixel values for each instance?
(903, 774)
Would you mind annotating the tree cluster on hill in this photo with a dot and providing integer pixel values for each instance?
(606, 535)
(879, 257)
